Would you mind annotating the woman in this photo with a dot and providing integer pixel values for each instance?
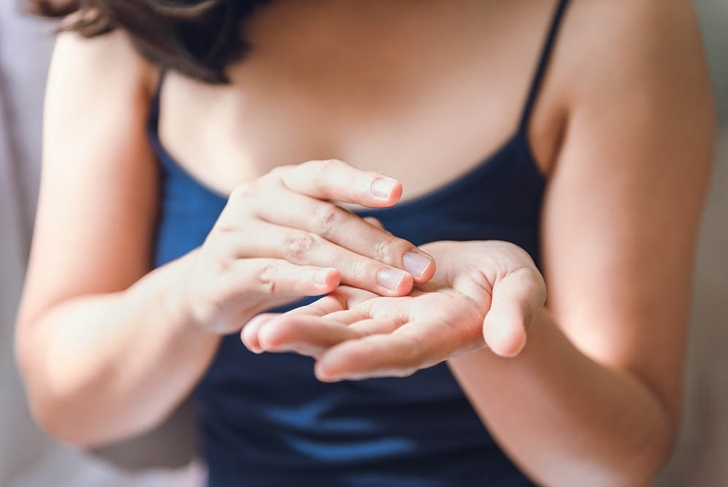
(580, 133)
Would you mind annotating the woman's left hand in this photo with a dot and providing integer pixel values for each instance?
(484, 293)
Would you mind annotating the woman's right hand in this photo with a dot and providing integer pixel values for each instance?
(282, 237)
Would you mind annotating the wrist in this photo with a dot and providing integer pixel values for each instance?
(172, 297)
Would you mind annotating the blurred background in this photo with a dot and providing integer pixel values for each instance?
(29, 459)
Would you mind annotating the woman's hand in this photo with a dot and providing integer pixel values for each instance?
(483, 294)
(281, 238)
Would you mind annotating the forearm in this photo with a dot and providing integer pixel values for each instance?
(101, 368)
(565, 419)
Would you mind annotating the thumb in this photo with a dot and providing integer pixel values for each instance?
(516, 300)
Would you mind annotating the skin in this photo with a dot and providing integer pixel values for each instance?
(488, 299)
(623, 130)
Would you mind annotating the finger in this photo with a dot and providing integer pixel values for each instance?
(314, 336)
(333, 303)
(517, 299)
(376, 326)
(360, 319)
(376, 223)
(324, 306)
(348, 317)
(249, 333)
(341, 299)
(386, 355)
(279, 277)
(305, 335)
(310, 330)
(338, 181)
(301, 248)
(347, 230)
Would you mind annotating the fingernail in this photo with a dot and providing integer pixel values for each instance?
(390, 278)
(319, 277)
(416, 263)
(382, 187)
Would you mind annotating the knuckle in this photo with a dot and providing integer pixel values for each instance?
(324, 166)
(223, 267)
(266, 278)
(298, 246)
(276, 174)
(242, 192)
(321, 170)
(226, 225)
(361, 269)
(389, 249)
(381, 250)
(326, 218)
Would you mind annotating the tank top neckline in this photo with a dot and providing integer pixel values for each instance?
(486, 164)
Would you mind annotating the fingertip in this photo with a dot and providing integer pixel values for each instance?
(514, 347)
(429, 271)
(249, 341)
(323, 374)
(331, 366)
(396, 193)
(385, 192)
(249, 333)
(393, 283)
(334, 279)
(271, 336)
(326, 280)
(405, 285)
(506, 337)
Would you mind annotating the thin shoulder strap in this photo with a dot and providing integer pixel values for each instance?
(543, 62)
(156, 102)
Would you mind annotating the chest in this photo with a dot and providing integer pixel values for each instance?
(423, 96)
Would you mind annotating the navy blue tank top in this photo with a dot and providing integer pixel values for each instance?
(266, 421)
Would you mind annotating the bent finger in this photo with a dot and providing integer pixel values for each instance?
(345, 229)
(278, 276)
(305, 335)
(338, 181)
(386, 355)
(517, 299)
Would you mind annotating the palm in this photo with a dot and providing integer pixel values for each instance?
(359, 334)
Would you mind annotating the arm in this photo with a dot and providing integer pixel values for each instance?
(85, 311)
(594, 399)
(108, 349)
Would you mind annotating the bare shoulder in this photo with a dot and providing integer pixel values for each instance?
(651, 49)
(106, 62)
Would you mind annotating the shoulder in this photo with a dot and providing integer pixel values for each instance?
(633, 45)
(650, 48)
(627, 29)
(102, 64)
(634, 80)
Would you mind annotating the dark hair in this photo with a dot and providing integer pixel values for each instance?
(196, 37)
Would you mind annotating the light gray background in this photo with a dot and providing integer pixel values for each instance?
(30, 459)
